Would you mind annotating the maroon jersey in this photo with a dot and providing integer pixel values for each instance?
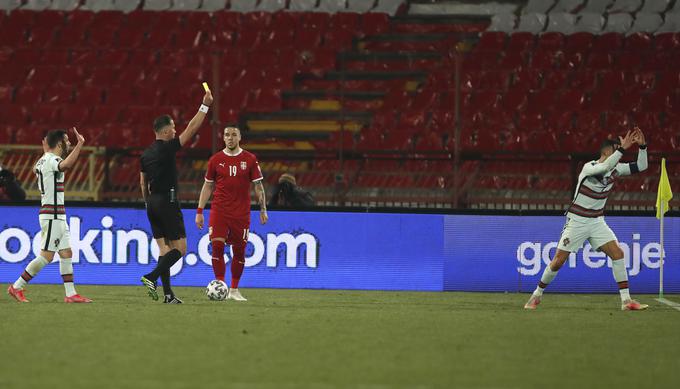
(232, 175)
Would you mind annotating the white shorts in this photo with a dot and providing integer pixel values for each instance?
(575, 233)
(54, 235)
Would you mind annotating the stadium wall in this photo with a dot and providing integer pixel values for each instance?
(352, 250)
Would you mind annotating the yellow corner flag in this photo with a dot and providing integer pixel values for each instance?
(664, 195)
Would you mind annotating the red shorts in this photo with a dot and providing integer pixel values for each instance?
(233, 231)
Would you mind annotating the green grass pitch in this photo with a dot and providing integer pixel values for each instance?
(335, 339)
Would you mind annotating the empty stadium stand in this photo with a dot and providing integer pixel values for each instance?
(365, 79)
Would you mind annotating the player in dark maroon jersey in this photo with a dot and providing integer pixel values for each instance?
(229, 175)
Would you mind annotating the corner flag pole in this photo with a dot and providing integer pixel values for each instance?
(662, 256)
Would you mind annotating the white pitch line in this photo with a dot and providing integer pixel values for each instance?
(670, 303)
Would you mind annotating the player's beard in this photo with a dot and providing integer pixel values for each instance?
(64, 150)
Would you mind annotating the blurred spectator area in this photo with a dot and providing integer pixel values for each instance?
(375, 82)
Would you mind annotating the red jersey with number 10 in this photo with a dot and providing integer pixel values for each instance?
(232, 175)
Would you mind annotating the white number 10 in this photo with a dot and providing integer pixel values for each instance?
(232, 171)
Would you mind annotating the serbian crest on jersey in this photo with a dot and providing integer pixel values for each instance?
(244, 165)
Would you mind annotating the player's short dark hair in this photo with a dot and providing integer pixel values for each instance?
(610, 143)
(161, 122)
(54, 137)
(232, 125)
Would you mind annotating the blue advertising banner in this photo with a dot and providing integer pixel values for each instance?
(324, 250)
(509, 253)
(293, 250)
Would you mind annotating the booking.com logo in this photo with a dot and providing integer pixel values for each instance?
(530, 255)
(115, 246)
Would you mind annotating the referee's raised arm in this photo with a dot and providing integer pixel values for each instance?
(197, 120)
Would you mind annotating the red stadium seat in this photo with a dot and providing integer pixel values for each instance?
(540, 101)
(346, 21)
(84, 57)
(114, 57)
(119, 95)
(512, 60)
(629, 100)
(375, 23)
(545, 59)
(102, 76)
(27, 57)
(70, 36)
(6, 94)
(55, 57)
(551, 41)
(42, 76)
(521, 41)
(555, 80)
(608, 42)
(339, 39)
(248, 39)
(13, 37)
(667, 41)
(28, 95)
(515, 100)
(15, 115)
(611, 80)
(599, 60)
(131, 37)
(230, 21)
(105, 114)
(570, 100)
(58, 94)
(639, 42)
(74, 115)
(190, 39)
(88, 95)
(101, 37)
(616, 121)
(45, 114)
(600, 99)
(272, 40)
(629, 60)
(200, 21)
(642, 81)
(41, 36)
(265, 100)
(491, 41)
(71, 75)
(526, 80)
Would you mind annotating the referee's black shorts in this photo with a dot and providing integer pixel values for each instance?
(165, 217)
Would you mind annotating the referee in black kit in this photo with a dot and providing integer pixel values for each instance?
(158, 180)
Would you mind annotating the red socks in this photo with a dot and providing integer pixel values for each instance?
(219, 266)
(237, 264)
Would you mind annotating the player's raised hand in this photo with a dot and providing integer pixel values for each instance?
(79, 138)
(639, 136)
(207, 98)
(263, 217)
(199, 221)
(45, 146)
(627, 140)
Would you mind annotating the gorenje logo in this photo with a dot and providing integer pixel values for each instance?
(117, 245)
(531, 254)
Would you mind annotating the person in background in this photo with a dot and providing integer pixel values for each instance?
(288, 194)
(10, 187)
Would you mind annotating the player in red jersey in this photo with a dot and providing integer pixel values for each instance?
(229, 175)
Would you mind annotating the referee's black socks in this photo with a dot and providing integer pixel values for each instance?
(165, 262)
